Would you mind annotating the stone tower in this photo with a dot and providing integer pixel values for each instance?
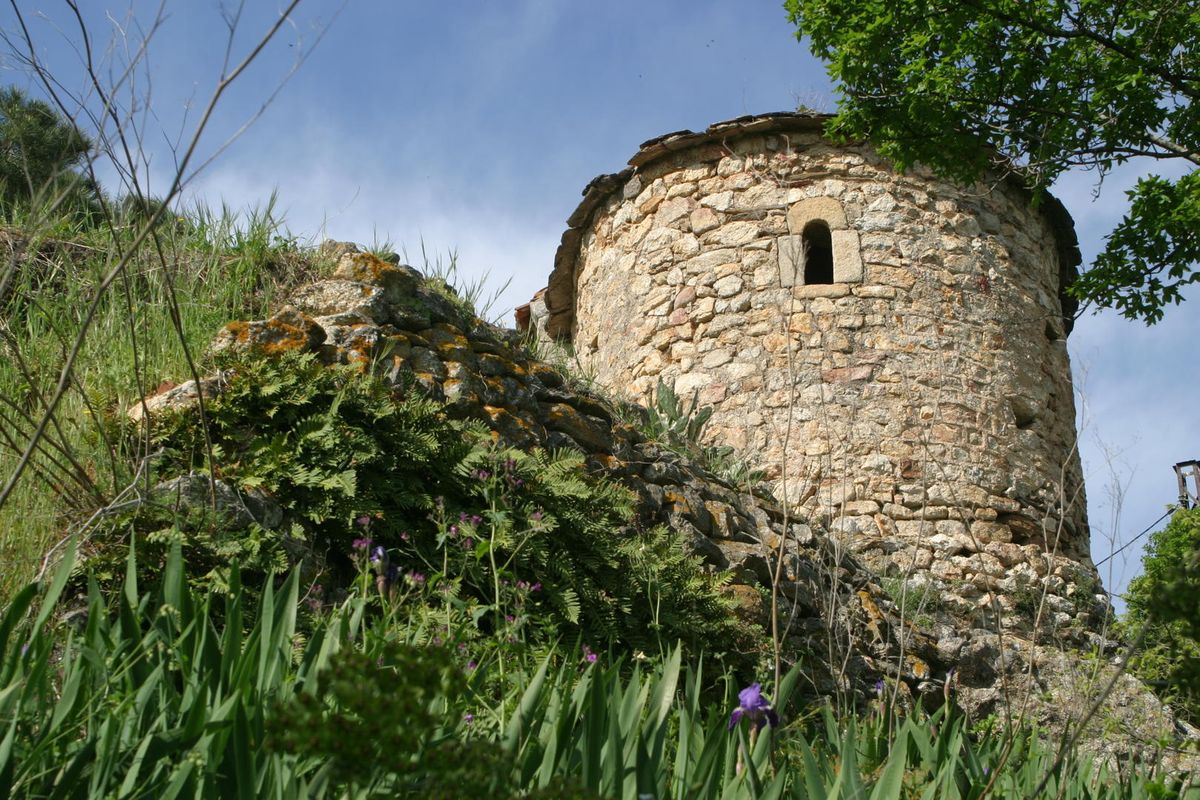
(890, 348)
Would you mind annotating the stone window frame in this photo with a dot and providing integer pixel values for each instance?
(847, 256)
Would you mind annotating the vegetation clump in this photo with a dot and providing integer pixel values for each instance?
(172, 691)
(1163, 613)
(349, 458)
(680, 427)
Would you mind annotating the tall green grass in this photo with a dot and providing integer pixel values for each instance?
(173, 693)
(201, 269)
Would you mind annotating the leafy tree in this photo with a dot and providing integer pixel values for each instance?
(40, 151)
(1166, 600)
(1047, 86)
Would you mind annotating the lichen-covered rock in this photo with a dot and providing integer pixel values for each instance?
(288, 330)
(176, 398)
(198, 500)
(397, 280)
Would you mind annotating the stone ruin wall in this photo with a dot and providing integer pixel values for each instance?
(924, 413)
(844, 628)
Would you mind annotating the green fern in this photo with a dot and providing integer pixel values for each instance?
(347, 456)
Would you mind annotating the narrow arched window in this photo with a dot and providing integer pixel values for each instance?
(818, 253)
(819, 248)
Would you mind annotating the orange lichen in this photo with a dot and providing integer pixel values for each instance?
(874, 615)
(918, 668)
(286, 337)
(367, 268)
(240, 330)
(681, 503)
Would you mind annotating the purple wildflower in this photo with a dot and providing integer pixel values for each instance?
(588, 655)
(879, 687)
(378, 554)
(363, 521)
(755, 707)
(415, 578)
(468, 543)
(537, 587)
(363, 544)
(471, 665)
(476, 519)
(536, 516)
(468, 718)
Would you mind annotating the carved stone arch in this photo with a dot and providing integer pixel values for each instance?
(823, 212)
(823, 209)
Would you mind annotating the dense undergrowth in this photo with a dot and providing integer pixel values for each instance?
(524, 544)
(201, 269)
(179, 692)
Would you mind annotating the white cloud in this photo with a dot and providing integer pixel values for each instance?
(492, 242)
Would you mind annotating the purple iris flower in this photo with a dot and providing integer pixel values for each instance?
(754, 707)
(378, 554)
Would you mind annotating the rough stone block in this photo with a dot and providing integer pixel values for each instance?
(847, 257)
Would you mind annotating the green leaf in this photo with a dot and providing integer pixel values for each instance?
(891, 782)
(61, 575)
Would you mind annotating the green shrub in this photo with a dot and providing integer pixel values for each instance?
(679, 427)
(920, 601)
(1165, 601)
(349, 459)
(40, 156)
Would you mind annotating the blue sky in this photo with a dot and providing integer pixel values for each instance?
(473, 127)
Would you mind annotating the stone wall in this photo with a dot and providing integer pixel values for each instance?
(847, 624)
(922, 407)
(388, 317)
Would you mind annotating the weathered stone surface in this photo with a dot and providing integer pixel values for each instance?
(837, 616)
(288, 330)
(398, 280)
(170, 397)
(197, 499)
(926, 356)
(341, 297)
